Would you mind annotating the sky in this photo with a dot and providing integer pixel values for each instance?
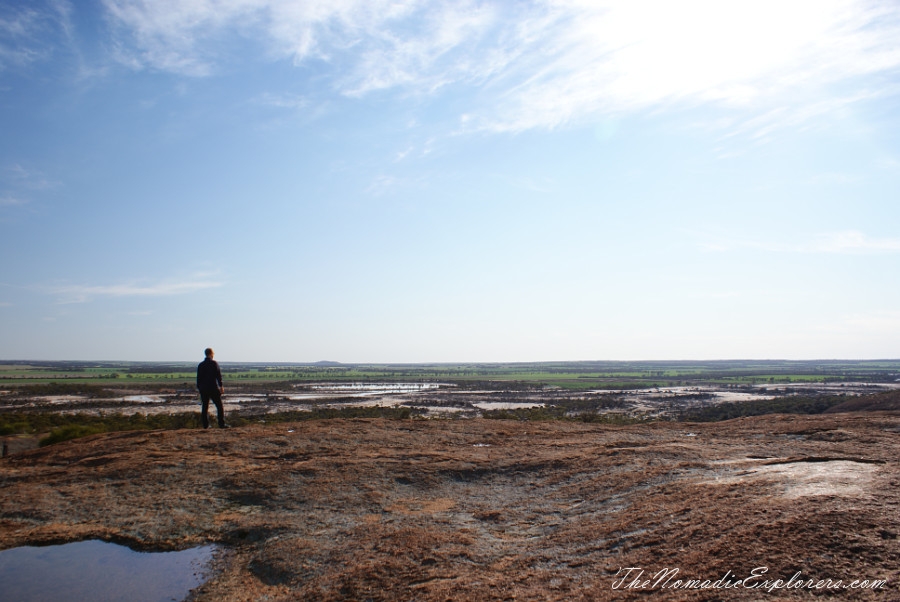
(449, 181)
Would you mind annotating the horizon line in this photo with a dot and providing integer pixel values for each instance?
(469, 362)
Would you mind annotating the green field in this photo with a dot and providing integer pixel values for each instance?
(105, 380)
(569, 375)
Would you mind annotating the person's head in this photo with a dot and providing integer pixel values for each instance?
(209, 352)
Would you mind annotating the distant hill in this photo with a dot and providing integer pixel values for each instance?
(327, 363)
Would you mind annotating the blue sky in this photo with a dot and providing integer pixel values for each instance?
(425, 181)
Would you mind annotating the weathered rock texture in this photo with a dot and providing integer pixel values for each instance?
(483, 510)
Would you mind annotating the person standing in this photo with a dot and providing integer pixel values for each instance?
(209, 383)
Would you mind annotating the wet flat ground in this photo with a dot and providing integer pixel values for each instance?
(487, 509)
(432, 399)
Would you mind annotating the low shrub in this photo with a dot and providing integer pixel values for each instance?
(779, 405)
(14, 428)
(70, 388)
(71, 431)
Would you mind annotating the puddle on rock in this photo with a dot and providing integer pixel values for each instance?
(97, 571)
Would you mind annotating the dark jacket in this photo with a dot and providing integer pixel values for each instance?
(209, 377)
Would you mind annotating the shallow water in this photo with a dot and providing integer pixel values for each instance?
(144, 398)
(97, 571)
(376, 387)
(506, 405)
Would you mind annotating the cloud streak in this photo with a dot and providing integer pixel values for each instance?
(81, 293)
(29, 179)
(19, 31)
(20, 184)
(28, 32)
(547, 63)
(848, 242)
(11, 201)
(852, 241)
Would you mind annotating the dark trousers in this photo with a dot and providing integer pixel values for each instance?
(205, 396)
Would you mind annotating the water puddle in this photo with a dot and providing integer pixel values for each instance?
(97, 571)
(376, 387)
(144, 398)
(506, 405)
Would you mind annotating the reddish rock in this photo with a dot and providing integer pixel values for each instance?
(484, 509)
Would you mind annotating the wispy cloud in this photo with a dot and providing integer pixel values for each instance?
(845, 242)
(21, 184)
(789, 112)
(29, 31)
(171, 35)
(545, 63)
(283, 101)
(81, 293)
(31, 179)
(852, 241)
(767, 58)
(8, 200)
(889, 163)
(19, 37)
(382, 184)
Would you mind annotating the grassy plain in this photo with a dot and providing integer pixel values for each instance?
(570, 375)
(107, 380)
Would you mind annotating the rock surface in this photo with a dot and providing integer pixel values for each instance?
(485, 509)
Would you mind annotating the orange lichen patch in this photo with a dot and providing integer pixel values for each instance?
(421, 506)
(479, 509)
